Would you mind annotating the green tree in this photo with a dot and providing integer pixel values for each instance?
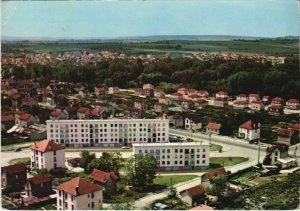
(86, 158)
(218, 185)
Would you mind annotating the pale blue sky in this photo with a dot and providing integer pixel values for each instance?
(112, 18)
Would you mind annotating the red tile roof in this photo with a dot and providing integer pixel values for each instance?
(25, 116)
(102, 176)
(195, 191)
(285, 132)
(7, 118)
(96, 112)
(55, 113)
(292, 101)
(215, 172)
(266, 97)
(82, 110)
(256, 102)
(220, 99)
(250, 125)
(277, 107)
(82, 186)
(222, 93)
(213, 126)
(14, 168)
(253, 95)
(46, 146)
(40, 179)
(278, 99)
(240, 103)
(297, 126)
(242, 95)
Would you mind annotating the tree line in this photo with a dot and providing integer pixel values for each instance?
(236, 76)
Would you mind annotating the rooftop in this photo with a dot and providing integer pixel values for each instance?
(200, 143)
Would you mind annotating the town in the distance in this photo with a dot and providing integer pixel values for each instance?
(116, 129)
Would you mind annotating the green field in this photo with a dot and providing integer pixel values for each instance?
(20, 160)
(227, 161)
(215, 147)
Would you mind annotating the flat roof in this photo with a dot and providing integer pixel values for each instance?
(106, 120)
(198, 143)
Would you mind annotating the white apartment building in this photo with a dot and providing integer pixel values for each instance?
(110, 132)
(177, 156)
(47, 154)
(78, 194)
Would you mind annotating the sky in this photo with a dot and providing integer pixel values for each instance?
(118, 18)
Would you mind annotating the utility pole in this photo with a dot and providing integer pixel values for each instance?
(258, 154)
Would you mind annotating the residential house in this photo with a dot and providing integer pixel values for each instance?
(160, 107)
(164, 100)
(287, 162)
(39, 186)
(176, 120)
(250, 130)
(266, 100)
(58, 115)
(176, 96)
(158, 93)
(107, 180)
(100, 89)
(148, 92)
(221, 94)
(203, 93)
(29, 101)
(207, 177)
(200, 103)
(132, 112)
(242, 98)
(16, 100)
(293, 104)
(79, 194)
(240, 105)
(182, 90)
(83, 113)
(256, 106)
(220, 102)
(213, 128)
(25, 120)
(48, 98)
(288, 136)
(193, 122)
(113, 90)
(103, 105)
(275, 110)
(273, 153)
(192, 91)
(138, 103)
(253, 97)
(97, 113)
(47, 154)
(191, 195)
(74, 162)
(186, 104)
(139, 92)
(278, 101)
(13, 176)
(148, 86)
(7, 122)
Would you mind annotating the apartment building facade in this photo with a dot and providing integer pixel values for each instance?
(112, 132)
(176, 156)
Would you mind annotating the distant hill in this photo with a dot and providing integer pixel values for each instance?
(153, 38)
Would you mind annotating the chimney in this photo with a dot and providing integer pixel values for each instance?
(77, 190)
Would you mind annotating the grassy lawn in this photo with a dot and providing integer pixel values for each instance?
(227, 161)
(215, 147)
(12, 147)
(20, 160)
(245, 177)
(166, 180)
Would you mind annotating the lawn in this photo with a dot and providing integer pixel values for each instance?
(175, 179)
(227, 161)
(245, 177)
(215, 147)
(12, 147)
(26, 161)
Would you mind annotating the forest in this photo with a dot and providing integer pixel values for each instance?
(237, 76)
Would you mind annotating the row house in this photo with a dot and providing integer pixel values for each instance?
(79, 194)
(293, 104)
(13, 176)
(47, 154)
(250, 130)
(107, 180)
(39, 186)
(213, 128)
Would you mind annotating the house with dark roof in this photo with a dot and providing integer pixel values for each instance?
(39, 186)
(108, 180)
(293, 104)
(190, 195)
(79, 194)
(192, 122)
(98, 113)
(278, 101)
(47, 154)
(288, 136)
(273, 153)
(59, 115)
(275, 110)
(209, 175)
(213, 128)
(13, 176)
(240, 105)
(220, 102)
(249, 130)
